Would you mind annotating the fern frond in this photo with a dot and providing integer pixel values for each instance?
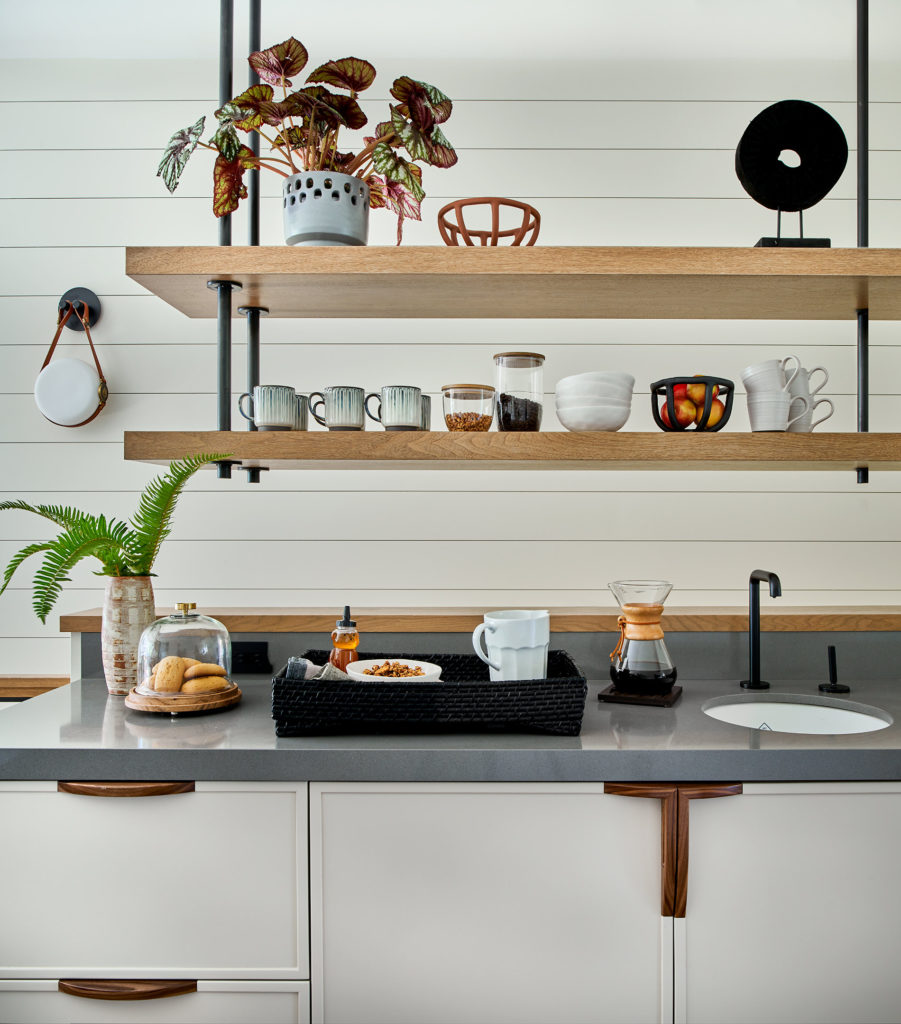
(82, 540)
(64, 517)
(18, 558)
(153, 519)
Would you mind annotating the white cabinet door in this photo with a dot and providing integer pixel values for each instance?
(214, 1002)
(794, 907)
(486, 903)
(209, 884)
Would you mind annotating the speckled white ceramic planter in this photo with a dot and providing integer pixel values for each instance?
(128, 609)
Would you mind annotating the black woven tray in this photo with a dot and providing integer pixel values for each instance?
(463, 700)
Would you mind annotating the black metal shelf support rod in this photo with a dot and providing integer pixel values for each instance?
(253, 313)
(224, 288)
(863, 225)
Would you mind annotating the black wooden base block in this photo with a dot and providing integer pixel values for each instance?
(793, 243)
(655, 700)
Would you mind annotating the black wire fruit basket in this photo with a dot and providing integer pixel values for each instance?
(672, 413)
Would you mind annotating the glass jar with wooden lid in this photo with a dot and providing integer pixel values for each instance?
(468, 406)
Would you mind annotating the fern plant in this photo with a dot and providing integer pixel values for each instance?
(123, 549)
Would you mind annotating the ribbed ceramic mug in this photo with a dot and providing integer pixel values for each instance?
(274, 407)
(425, 421)
(806, 423)
(342, 407)
(517, 643)
(300, 411)
(776, 411)
(400, 407)
(770, 376)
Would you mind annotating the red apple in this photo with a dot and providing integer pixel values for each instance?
(716, 413)
(696, 392)
(680, 392)
(685, 412)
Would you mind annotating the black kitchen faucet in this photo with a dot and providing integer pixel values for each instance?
(758, 576)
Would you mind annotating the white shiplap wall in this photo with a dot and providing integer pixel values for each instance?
(614, 151)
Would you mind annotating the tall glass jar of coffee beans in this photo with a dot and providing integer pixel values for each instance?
(520, 389)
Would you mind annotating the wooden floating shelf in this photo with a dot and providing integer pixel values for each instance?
(872, 618)
(534, 282)
(555, 450)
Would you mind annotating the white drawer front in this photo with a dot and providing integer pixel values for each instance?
(209, 884)
(216, 1002)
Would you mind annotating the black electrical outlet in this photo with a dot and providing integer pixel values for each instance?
(251, 657)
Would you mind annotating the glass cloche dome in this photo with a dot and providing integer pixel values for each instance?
(184, 654)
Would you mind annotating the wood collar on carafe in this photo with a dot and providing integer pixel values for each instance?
(641, 622)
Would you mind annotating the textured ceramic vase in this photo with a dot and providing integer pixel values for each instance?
(325, 208)
(127, 610)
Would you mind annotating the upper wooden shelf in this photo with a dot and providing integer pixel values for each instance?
(553, 450)
(552, 281)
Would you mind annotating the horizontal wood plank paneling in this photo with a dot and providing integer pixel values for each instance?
(652, 130)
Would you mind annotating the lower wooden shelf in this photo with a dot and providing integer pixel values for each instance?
(556, 450)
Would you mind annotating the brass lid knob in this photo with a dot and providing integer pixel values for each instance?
(185, 606)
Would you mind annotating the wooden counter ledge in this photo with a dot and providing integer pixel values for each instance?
(868, 618)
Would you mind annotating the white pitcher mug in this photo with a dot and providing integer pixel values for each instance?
(517, 643)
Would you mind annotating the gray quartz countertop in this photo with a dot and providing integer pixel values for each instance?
(80, 732)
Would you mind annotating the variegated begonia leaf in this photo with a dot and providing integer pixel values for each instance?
(377, 198)
(350, 110)
(351, 73)
(279, 64)
(395, 168)
(412, 138)
(180, 147)
(243, 110)
(228, 181)
(227, 142)
(426, 104)
(441, 152)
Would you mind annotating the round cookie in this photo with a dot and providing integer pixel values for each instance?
(198, 669)
(169, 674)
(204, 684)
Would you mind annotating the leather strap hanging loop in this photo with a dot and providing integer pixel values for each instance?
(61, 321)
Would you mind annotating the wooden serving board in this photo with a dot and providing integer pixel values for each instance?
(179, 705)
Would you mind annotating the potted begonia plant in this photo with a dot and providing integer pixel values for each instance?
(327, 192)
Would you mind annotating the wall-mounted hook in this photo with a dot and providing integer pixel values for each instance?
(88, 302)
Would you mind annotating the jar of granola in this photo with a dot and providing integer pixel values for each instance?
(468, 406)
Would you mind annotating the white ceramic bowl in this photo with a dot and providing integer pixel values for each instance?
(431, 673)
(609, 377)
(594, 390)
(565, 402)
(591, 417)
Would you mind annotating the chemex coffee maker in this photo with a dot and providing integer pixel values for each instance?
(640, 666)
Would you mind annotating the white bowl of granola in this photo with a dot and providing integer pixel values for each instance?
(393, 670)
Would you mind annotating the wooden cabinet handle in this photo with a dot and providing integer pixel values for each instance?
(674, 800)
(124, 788)
(95, 988)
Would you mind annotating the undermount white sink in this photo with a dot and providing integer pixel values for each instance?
(799, 713)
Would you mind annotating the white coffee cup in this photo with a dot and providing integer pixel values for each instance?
(274, 407)
(806, 423)
(773, 411)
(801, 383)
(770, 376)
(517, 643)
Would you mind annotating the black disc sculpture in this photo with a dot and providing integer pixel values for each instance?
(819, 142)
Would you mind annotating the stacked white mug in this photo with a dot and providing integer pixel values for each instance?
(800, 385)
(771, 404)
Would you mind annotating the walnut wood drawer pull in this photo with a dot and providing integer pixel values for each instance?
(93, 988)
(124, 788)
